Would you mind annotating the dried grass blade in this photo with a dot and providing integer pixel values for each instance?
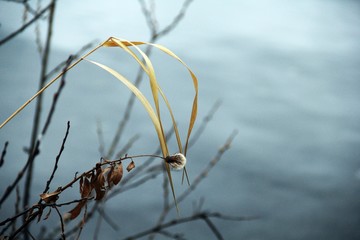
(148, 68)
(195, 83)
(113, 42)
(151, 113)
(142, 99)
(173, 121)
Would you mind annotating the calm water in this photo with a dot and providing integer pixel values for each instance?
(289, 79)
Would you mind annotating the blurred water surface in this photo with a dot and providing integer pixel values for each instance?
(288, 76)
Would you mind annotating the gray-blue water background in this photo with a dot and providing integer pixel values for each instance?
(288, 75)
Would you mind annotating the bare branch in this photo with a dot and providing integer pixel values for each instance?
(57, 159)
(127, 146)
(176, 19)
(194, 217)
(100, 136)
(56, 97)
(62, 223)
(213, 228)
(2, 158)
(64, 63)
(204, 123)
(22, 28)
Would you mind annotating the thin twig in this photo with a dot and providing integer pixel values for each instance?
(12, 186)
(98, 222)
(56, 97)
(213, 228)
(176, 19)
(194, 217)
(111, 223)
(128, 146)
(200, 177)
(100, 136)
(3, 153)
(17, 210)
(196, 135)
(62, 224)
(35, 141)
(22, 28)
(57, 159)
(165, 188)
(64, 63)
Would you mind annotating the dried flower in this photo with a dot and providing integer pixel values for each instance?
(177, 161)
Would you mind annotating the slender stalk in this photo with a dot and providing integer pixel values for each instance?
(38, 110)
(48, 85)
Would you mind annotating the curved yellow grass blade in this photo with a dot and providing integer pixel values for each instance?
(153, 83)
(112, 42)
(149, 70)
(196, 87)
(154, 118)
(142, 99)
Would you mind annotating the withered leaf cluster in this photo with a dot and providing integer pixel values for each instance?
(97, 182)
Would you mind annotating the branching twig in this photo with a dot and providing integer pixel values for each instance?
(62, 223)
(205, 121)
(22, 28)
(65, 63)
(35, 151)
(127, 146)
(194, 217)
(56, 96)
(57, 159)
(213, 228)
(176, 20)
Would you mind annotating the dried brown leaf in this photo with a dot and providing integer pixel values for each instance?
(131, 166)
(77, 210)
(50, 197)
(109, 175)
(117, 174)
(99, 185)
(85, 187)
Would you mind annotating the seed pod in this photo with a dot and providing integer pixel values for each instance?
(177, 161)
